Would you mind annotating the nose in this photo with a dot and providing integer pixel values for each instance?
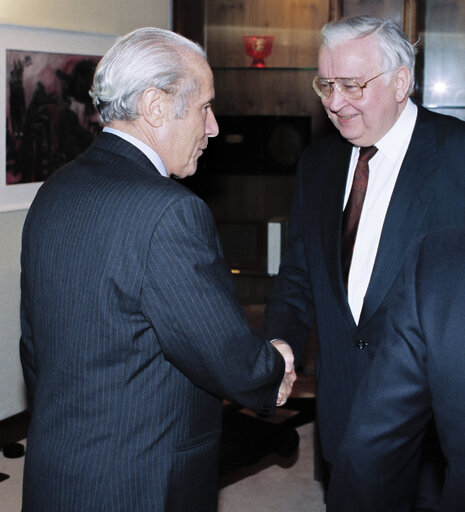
(336, 101)
(211, 126)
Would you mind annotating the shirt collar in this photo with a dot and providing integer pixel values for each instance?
(392, 144)
(150, 153)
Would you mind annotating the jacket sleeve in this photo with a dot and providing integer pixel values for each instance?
(190, 300)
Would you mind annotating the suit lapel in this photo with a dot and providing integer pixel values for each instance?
(407, 210)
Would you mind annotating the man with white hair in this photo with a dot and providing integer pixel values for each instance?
(392, 172)
(131, 331)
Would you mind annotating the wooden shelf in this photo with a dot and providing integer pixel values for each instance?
(295, 26)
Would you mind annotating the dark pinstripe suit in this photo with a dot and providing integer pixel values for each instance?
(131, 334)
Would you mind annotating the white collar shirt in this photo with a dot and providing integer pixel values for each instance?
(384, 168)
(150, 153)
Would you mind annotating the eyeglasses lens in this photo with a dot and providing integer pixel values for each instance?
(346, 86)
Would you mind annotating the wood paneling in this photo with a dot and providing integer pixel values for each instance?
(403, 12)
(295, 24)
(265, 92)
(189, 19)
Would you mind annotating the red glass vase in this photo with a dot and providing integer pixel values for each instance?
(258, 47)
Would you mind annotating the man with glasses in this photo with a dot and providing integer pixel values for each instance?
(341, 260)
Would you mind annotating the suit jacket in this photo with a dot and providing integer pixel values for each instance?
(131, 335)
(429, 194)
(417, 372)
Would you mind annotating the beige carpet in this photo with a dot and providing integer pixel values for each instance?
(283, 486)
(273, 485)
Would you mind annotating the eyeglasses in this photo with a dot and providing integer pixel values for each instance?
(348, 87)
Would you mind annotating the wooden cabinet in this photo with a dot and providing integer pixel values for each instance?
(272, 91)
(295, 25)
(220, 24)
(285, 86)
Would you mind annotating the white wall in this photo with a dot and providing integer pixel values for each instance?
(11, 383)
(102, 16)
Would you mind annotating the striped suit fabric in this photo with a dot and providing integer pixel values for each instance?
(131, 336)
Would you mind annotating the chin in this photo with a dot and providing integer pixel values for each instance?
(356, 139)
(185, 173)
(191, 171)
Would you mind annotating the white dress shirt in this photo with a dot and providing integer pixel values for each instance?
(384, 169)
(150, 153)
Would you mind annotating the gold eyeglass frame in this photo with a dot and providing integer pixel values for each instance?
(334, 82)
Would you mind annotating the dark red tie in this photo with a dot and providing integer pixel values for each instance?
(353, 209)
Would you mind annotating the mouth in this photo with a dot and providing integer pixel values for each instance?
(347, 118)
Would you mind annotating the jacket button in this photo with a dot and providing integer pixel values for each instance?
(361, 344)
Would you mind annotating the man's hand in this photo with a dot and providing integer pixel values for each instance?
(289, 375)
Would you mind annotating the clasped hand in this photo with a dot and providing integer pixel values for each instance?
(289, 375)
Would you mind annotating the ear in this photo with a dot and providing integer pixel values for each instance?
(401, 80)
(152, 106)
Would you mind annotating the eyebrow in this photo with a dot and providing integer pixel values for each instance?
(339, 77)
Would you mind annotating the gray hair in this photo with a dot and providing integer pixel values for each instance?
(147, 57)
(396, 49)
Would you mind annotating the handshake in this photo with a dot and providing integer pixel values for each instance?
(289, 375)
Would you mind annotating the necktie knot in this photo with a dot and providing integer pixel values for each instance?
(366, 153)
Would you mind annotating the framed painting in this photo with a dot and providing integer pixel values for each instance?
(45, 77)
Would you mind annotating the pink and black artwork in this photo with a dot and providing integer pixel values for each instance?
(50, 118)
